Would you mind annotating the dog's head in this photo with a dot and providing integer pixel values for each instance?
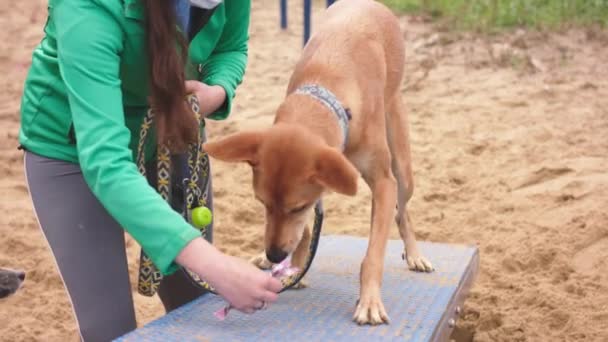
(10, 281)
(291, 170)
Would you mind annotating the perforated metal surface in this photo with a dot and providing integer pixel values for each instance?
(419, 304)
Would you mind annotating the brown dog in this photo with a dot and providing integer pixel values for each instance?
(353, 64)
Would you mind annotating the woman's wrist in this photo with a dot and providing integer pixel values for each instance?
(210, 97)
(200, 257)
(216, 96)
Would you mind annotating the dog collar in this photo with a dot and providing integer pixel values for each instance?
(328, 99)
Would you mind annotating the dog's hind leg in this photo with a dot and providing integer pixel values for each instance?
(398, 137)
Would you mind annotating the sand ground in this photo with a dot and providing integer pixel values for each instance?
(510, 151)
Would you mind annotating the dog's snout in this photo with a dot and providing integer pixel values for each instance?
(275, 255)
(21, 275)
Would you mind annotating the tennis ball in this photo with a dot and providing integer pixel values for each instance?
(201, 217)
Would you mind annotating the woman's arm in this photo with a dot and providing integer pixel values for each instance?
(243, 285)
(226, 65)
(89, 45)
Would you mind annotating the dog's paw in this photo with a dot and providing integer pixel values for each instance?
(302, 284)
(261, 262)
(370, 310)
(417, 262)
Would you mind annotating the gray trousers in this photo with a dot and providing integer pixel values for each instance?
(89, 249)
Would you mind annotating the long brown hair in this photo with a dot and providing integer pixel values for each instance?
(167, 53)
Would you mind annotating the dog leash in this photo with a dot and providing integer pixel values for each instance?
(149, 276)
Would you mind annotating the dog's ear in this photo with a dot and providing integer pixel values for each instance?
(238, 147)
(332, 170)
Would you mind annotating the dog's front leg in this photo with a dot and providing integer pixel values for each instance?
(298, 259)
(260, 261)
(370, 309)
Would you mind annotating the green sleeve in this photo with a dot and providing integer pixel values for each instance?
(226, 64)
(89, 46)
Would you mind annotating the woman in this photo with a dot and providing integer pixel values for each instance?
(84, 100)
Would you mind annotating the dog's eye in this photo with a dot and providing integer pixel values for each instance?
(300, 208)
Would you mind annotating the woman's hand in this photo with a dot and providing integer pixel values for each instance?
(241, 284)
(210, 97)
(244, 286)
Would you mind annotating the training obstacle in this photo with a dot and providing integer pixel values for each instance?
(422, 306)
(307, 5)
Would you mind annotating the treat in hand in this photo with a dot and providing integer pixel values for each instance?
(283, 269)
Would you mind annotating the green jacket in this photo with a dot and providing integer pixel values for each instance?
(89, 74)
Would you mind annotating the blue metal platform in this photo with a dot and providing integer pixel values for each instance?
(422, 306)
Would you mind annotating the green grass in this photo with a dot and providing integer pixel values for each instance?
(403, 6)
(497, 14)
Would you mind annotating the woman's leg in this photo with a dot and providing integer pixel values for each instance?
(88, 246)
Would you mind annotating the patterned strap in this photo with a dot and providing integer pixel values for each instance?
(149, 277)
(198, 164)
